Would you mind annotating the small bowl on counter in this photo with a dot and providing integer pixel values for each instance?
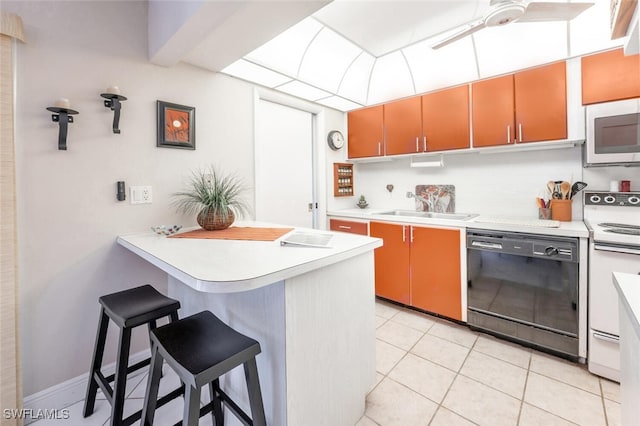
(165, 229)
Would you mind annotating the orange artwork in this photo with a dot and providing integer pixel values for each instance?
(176, 128)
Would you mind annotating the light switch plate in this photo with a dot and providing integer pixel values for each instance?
(141, 194)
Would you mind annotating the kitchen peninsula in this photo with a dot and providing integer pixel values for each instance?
(311, 309)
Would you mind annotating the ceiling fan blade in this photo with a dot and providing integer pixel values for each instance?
(543, 11)
(468, 29)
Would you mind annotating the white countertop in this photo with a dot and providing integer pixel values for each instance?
(628, 286)
(566, 229)
(228, 266)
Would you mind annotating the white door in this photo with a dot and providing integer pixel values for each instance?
(284, 165)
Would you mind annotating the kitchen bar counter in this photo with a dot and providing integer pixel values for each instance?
(566, 229)
(628, 287)
(311, 309)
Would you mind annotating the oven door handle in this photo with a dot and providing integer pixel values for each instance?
(606, 337)
(617, 249)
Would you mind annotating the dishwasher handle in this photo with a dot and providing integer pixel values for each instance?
(483, 244)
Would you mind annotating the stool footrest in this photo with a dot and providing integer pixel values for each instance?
(103, 384)
(161, 401)
(231, 405)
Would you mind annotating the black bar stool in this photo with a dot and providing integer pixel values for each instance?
(128, 309)
(201, 348)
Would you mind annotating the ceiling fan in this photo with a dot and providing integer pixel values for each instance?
(502, 12)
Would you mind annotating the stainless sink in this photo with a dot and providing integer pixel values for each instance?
(430, 215)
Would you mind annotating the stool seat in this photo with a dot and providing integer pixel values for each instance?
(136, 306)
(200, 349)
(204, 346)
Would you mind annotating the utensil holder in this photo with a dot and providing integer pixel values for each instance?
(561, 210)
(544, 213)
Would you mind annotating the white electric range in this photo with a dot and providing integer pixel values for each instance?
(613, 219)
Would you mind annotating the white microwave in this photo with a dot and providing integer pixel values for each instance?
(613, 134)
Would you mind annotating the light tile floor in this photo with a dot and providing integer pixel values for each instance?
(434, 372)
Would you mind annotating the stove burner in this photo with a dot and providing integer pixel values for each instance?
(628, 231)
(619, 225)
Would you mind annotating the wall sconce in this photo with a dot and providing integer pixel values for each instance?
(63, 112)
(113, 98)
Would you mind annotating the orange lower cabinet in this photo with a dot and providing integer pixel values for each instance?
(392, 261)
(348, 226)
(435, 271)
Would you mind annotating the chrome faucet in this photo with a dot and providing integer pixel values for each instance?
(417, 197)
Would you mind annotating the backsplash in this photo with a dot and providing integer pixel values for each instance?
(495, 184)
(439, 198)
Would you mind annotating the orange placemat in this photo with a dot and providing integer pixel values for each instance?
(237, 233)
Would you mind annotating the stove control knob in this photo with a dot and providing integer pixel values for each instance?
(634, 200)
(551, 251)
(609, 199)
(595, 199)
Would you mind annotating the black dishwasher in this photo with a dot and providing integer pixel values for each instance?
(524, 287)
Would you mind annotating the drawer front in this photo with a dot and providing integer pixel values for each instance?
(349, 226)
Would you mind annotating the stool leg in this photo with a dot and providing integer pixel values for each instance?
(191, 406)
(255, 396)
(216, 402)
(96, 364)
(153, 383)
(120, 383)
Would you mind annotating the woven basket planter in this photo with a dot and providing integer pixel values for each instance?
(215, 222)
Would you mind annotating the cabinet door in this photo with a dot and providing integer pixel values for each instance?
(435, 271)
(348, 226)
(403, 126)
(610, 76)
(541, 103)
(392, 261)
(445, 119)
(365, 136)
(492, 111)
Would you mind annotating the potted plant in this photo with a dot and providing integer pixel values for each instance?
(362, 202)
(214, 196)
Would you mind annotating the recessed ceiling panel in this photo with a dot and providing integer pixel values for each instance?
(390, 79)
(284, 52)
(339, 103)
(255, 73)
(384, 26)
(519, 45)
(590, 31)
(302, 90)
(449, 66)
(355, 83)
(326, 60)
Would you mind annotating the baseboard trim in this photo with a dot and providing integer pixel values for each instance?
(73, 390)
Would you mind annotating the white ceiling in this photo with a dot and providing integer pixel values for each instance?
(351, 53)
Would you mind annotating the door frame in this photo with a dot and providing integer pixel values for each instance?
(318, 156)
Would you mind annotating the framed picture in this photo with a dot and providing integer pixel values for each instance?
(176, 126)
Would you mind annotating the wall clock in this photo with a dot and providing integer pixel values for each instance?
(335, 140)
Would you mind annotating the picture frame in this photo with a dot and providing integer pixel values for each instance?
(176, 125)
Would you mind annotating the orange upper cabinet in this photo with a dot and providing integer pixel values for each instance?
(435, 271)
(403, 126)
(541, 103)
(366, 132)
(492, 111)
(528, 106)
(610, 76)
(445, 119)
(392, 261)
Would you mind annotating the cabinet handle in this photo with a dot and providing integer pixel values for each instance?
(378, 148)
(411, 233)
(417, 148)
(404, 232)
(344, 227)
(508, 133)
(520, 131)
(424, 143)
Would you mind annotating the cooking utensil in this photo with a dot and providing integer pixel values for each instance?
(551, 186)
(565, 189)
(577, 187)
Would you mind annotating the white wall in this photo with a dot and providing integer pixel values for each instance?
(68, 214)
(492, 184)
